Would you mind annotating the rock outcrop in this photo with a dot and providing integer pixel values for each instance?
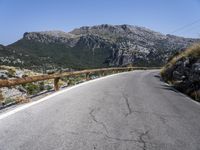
(183, 71)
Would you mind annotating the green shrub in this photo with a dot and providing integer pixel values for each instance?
(8, 100)
(41, 86)
(32, 88)
(48, 87)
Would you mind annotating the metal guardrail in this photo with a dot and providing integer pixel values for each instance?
(57, 76)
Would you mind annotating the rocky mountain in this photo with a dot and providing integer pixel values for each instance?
(93, 47)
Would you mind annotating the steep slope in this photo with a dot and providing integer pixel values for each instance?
(97, 46)
(183, 71)
(10, 57)
(137, 45)
(61, 53)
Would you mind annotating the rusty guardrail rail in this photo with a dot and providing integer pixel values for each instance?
(57, 76)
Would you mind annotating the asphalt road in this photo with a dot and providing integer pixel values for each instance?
(128, 111)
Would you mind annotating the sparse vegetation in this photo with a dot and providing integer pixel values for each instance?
(31, 88)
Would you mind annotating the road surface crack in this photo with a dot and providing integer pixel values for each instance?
(106, 134)
(141, 139)
(127, 105)
(163, 117)
(114, 138)
(97, 121)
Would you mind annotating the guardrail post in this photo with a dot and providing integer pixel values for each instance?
(56, 86)
(103, 73)
(1, 98)
(87, 76)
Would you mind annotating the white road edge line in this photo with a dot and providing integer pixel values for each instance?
(6, 114)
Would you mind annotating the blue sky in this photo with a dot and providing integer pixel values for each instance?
(165, 16)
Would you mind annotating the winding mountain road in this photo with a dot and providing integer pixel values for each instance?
(127, 111)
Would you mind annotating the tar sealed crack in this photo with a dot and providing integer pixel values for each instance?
(106, 134)
(127, 104)
(141, 139)
(97, 121)
(114, 138)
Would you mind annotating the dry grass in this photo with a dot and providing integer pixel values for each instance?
(193, 51)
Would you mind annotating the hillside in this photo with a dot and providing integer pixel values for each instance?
(93, 47)
(183, 71)
(17, 94)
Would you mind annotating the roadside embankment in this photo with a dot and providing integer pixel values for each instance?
(183, 71)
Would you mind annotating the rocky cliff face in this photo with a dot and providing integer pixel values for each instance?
(137, 45)
(99, 46)
(183, 71)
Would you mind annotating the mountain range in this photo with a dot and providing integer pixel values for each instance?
(93, 47)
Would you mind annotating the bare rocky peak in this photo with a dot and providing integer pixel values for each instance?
(56, 34)
(128, 31)
(125, 36)
(111, 32)
(52, 37)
